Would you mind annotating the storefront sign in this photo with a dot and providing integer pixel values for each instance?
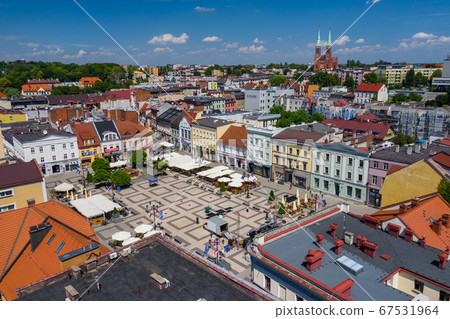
(111, 149)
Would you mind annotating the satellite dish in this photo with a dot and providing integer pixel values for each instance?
(44, 132)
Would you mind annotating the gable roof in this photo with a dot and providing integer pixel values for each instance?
(85, 131)
(129, 129)
(20, 174)
(443, 159)
(2, 95)
(90, 80)
(299, 135)
(235, 136)
(19, 266)
(369, 87)
(379, 130)
(105, 126)
(35, 87)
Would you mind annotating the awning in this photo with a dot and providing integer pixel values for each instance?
(142, 229)
(121, 236)
(130, 240)
(94, 206)
(64, 187)
(300, 175)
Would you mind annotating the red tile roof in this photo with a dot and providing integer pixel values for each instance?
(85, 131)
(90, 80)
(379, 130)
(143, 107)
(443, 159)
(18, 264)
(235, 136)
(369, 87)
(2, 95)
(394, 168)
(35, 87)
(444, 141)
(369, 117)
(190, 116)
(129, 129)
(20, 174)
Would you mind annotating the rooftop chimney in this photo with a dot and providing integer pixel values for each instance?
(319, 238)
(415, 202)
(338, 243)
(408, 234)
(409, 150)
(37, 234)
(394, 230)
(333, 228)
(417, 148)
(71, 293)
(371, 221)
(358, 241)
(425, 145)
(445, 220)
(313, 259)
(442, 259)
(31, 202)
(402, 208)
(369, 248)
(397, 148)
(345, 287)
(423, 241)
(437, 227)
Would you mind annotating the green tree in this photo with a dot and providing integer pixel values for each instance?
(281, 210)
(317, 117)
(444, 189)
(371, 78)
(4, 83)
(399, 98)
(277, 109)
(11, 92)
(277, 80)
(402, 139)
(101, 175)
(410, 78)
(138, 158)
(100, 163)
(413, 96)
(350, 83)
(89, 177)
(442, 100)
(420, 79)
(120, 178)
(323, 78)
(160, 165)
(222, 187)
(271, 196)
(115, 213)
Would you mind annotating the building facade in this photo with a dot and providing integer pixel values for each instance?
(259, 150)
(110, 140)
(232, 148)
(326, 61)
(205, 133)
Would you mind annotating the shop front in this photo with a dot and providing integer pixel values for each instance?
(300, 180)
(279, 173)
(112, 154)
(185, 145)
(374, 198)
(88, 156)
(259, 169)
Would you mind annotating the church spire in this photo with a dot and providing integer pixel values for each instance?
(318, 39)
(329, 38)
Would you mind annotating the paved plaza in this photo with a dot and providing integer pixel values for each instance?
(181, 203)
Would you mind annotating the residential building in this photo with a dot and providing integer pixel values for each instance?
(443, 83)
(88, 142)
(186, 131)
(36, 89)
(325, 61)
(259, 150)
(362, 262)
(21, 183)
(175, 130)
(415, 180)
(37, 242)
(171, 273)
(396, 74)
(110, 140)
(418, 218)
(205, 133)
(55, 151)
(164, 123)
(390, 159)
(2, 149)
(368, 92)
(11, 116)
(88, 81)
(133, 137)
(380, 131)
(261, 120)
(50, 82)
(155, 111)
(263, 99)
(340, 170)
(232, 148)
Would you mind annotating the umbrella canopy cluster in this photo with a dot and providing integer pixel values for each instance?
(64, 187)
(144, 228)
(121, 236)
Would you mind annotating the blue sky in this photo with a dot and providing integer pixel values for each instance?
(157, 32)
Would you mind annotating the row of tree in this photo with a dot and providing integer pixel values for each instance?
(297, 117)
(101, 174)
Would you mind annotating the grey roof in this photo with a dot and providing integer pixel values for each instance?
(35, 133)
(315, 127)
(188, 282)
(340, 147)
(211, 122)
(389, 154)
(409, 255)
(168, 116)
(262, 117)
(105, 126)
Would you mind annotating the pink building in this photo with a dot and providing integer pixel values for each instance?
(230, 104)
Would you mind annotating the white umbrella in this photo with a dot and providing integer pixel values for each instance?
(130, 241)
(295, 205)
(282, 201)
(235, 183)
(298, 194)
(142, 229)
(306, 198)
(121, 236)
(224, 179)
(64, 187)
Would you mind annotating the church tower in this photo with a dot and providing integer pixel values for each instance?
(328, 56)
(318, 52)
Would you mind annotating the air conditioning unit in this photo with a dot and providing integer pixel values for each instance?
(127, 250)
(113, 255)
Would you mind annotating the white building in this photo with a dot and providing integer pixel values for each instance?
(264, 99)
(368, 92)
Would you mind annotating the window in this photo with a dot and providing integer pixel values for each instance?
(73, 155)
(298, 152)
(51, 239)
(360, 178)
(338, 159)
(54, 157)
(7, 208)
(267, 283)
(349, 175)
(59, 247)
(349, 191)
(338, 173)
(32, 150)
(305, 153)
(375, 164)
(278, 148)
(350, 161)
(41, 149)
(443, 296)
(53, 148)
(327, 157)
(385, 166)
(42, 160)
(64, 145)
(305, 165)
(65, 156)
(374, 180)
(317, 168)
(418, 285)
(282, 292)
(316, 182)
(326, 170)
(7, 193)
(290, 150)
(326, 185)
(358, 193)
(361, 164)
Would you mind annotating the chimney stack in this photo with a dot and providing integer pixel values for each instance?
(445, 220)
(425, 145)
(338, 243)
(369, 248)
(333, 228)
(371, 221)
(437, 227)
(345, 287)
(408, 235)
(394, 230)
(358, 241)
(314, 259)
(417, 148)
(71, 293)
(319, 238)
(415, 202)
(31, 202)
(442, 259)
(409, 150)
(423, 241)
(403, 208)
(397, 148)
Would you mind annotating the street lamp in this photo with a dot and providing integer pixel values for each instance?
(153, 208)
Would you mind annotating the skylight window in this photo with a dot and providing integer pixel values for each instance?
(51, 239)
(59, 247)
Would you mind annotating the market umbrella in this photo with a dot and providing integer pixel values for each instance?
(306, 198)
(153, 180)
(298, 193)
(295, 205)
(130, 241)
(64, 187)
(224, 179)
(283, 201)
(235, 183)
(142, 229)
(121, 236)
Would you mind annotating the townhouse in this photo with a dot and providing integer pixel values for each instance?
(133, 137)
(110, 140)
(232, 148)
(88, 142)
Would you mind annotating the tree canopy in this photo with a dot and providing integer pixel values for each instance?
(297, 117)
(402, 139)
(444, 189)
(277, 80)
(323, 78)
(100, 163)
(101, 175)
(120, 178)
(138, 158)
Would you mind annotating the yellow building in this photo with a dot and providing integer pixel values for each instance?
(2, 150)
(10, 116)
(21, 184)
(153, 70)
(205, 133)
(88, 143)
(396, 75)
(418, 179)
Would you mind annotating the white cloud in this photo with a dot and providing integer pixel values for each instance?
(79, 55)
(30, 44)
(9, 37)
(279, 38)
(50, 52)
(231, 45)
(203, 9)
(166, 49)
(252, 49)
(342, 40)
(258, 41)
(312, 45)
(169, 38)
(194, 52)
(212, 39)
(423, 35)
(360, 40)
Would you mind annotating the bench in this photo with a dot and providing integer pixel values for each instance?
(246, 203)
(256, 207)
(199, 253)
(228, 196)
(176, 176)
(178, 240)
(211, 190)
(168, 235)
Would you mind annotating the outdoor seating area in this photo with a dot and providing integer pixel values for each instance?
(296, 206)
(96, 208)
(232, 181)
(124, 238)
(184, 164)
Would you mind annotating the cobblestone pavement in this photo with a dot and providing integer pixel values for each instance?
(182, 203)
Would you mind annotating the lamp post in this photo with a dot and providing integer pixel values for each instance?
(153, 208)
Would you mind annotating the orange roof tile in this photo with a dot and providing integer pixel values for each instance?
(90, 80)
(442, 158)
(2, 95)
(394, 168)
(234, 136)
(20, 266)
(129, 129)
(85, 131)
(35, 87)
(143, 107)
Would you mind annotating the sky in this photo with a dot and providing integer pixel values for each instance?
(159, 32)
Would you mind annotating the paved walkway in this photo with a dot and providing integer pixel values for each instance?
(182, 203)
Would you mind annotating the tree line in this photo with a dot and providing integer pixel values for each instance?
(297, 117)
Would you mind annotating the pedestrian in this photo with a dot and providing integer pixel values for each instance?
(247, 209)
(290, 186)
(196, 220)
